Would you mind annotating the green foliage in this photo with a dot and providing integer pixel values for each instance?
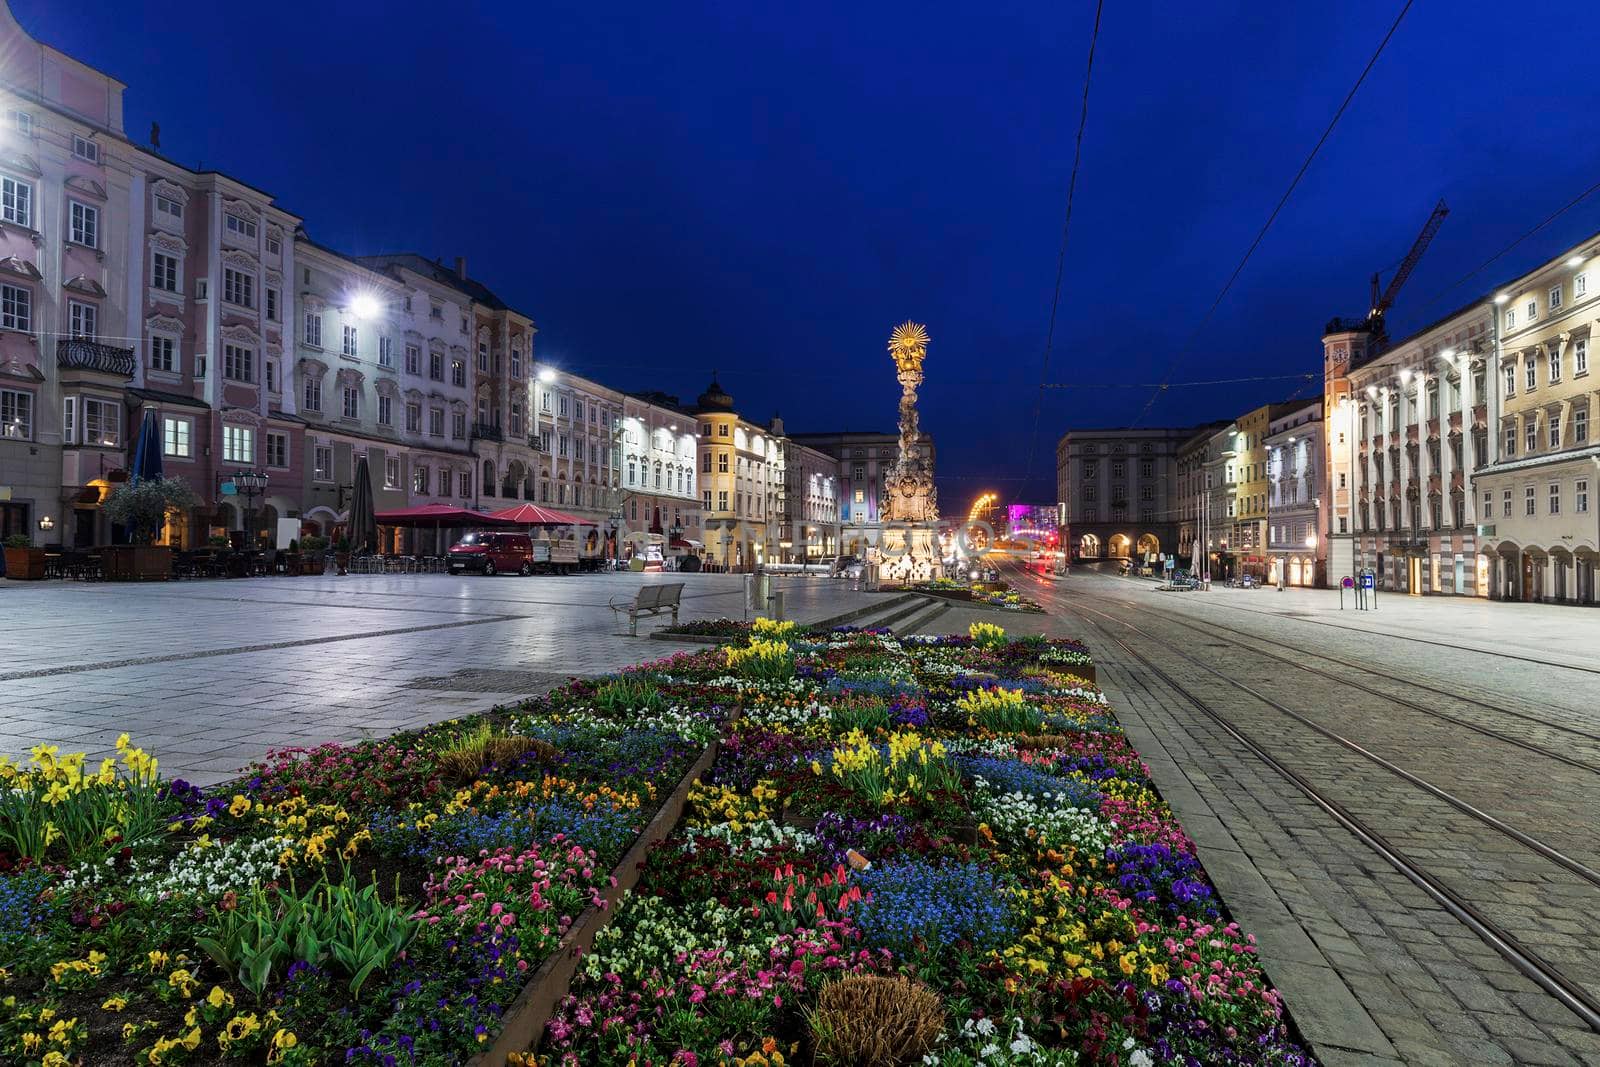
(314, 543)
(352, 931)
(142, 507)
(629, 693)
(52, 809)
(18, 541)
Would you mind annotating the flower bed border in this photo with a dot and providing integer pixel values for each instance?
(522, 1026)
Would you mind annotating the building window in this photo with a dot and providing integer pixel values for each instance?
(466, 485)
(1511, 317)
(516, 363)
(1580, 286)
(414, 418)
(1533, 434)
(436, 366)
(163, 355)
(272, 305)
(84, 319)
(16, 308)
(16, 202)
(458, 372)
(313, 397)
(436, 422)
(238, 363)
(516, 418)
(391, 472)
(322, 463)
(419, 480)
(1533, 310)
(240, 226)
(277, 449)
(1531, 373)
(1488, 504)
(1528, 507)
(1505, 501)
(350, 405)
(385, 411)
(458, 425)
(483, 357)
(1555, 297)
(1510, 370)
(313, 333)
(722, 499)
(164, 272)
(1555, 498)
(200, 366)
(238, 287)
(274, 246)
(84, 148)
(1555, 433)
(722, 429)
(349, 346)
(85, 226)
(238, 444)
(1580, 495)
(16, 414)
(165, 205)
(1580, 426)
(385, 351)
(413, 359)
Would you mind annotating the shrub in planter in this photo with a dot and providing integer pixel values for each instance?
(141, 507)
(23, 561)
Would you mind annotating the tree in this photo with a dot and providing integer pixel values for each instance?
(142, 507)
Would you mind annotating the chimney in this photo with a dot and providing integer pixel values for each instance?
(461, 267)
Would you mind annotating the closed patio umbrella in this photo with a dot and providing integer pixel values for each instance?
(363, 523)
(146, 451)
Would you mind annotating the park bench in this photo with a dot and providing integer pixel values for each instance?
(650, 600)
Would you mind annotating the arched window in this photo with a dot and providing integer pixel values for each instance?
(488, 482)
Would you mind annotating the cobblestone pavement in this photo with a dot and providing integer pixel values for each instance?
(1372, 969)
(210, 674)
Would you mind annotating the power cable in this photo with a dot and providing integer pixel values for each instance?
(1066, 228)
(1182, 350)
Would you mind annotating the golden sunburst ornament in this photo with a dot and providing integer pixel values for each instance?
(908, 344)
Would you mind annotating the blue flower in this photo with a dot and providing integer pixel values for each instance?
(914, 904)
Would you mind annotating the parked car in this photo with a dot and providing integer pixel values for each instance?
(492, 552)
(850, 567)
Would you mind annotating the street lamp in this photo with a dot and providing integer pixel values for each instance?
(251, 484)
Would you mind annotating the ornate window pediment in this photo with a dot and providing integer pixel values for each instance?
(242, 335)
(459, 350)
(411, 335)
(170, 190)
(21, 163)
(85, 285)
(313, 368)
(436, 346)
(233, 257)
(274, 277)
(242, 415)
(349, 376)
(458, 406)
(85, 187)
(240, 207)
(20, 267)
(163, 324)
(414, 396)
(169, 242)
(434, 394)
(313, 302)
(387, 387)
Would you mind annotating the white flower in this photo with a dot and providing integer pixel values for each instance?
(985, 1026)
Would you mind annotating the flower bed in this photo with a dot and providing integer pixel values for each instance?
(377, 903)
(1003, 598)
(936, 850)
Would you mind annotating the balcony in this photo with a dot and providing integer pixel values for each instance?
(75, 353)
(487, 431)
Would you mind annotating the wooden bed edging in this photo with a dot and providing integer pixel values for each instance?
(522, 1025)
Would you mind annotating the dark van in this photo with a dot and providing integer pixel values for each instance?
(492, 552)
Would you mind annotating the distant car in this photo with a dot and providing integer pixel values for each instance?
(851, 567)
(492, 552)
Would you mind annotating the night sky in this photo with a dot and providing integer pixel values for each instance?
(768, 189)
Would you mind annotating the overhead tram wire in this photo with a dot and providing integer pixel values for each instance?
(1061, 256)
(1183, 349)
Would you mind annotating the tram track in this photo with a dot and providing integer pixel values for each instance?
(1298, 661)
(1507, 921)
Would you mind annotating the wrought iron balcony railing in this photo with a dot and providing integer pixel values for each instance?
(76, 353)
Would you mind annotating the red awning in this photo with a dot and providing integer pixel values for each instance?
(534, 515)
(438, 515)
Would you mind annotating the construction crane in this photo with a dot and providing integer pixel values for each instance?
(1381, 304)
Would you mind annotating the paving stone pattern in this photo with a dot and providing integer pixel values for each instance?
(1373, 971)
(210, 674)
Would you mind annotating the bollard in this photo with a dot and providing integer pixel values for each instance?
(775, 607)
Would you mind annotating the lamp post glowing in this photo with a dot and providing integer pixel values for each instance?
(366, 306)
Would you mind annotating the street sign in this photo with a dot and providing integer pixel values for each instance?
(1348, 582)
(228, 489)
(1368, 581)
(1171, 564)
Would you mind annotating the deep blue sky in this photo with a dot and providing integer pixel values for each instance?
(768, 189)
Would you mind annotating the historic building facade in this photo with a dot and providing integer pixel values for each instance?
(1190, 466)
(1119, 491)
(809, 508)
(1411, 426)
(1296, 546)
(661, 473)
(1536, 497)
(741, 477)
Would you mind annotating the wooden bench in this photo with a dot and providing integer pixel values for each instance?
(650, 600)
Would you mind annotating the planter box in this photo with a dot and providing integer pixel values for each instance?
(136, 563)
(25, 564)
(522, 1026)
(313, 564)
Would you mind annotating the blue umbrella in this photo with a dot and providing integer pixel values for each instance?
(147, 451)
